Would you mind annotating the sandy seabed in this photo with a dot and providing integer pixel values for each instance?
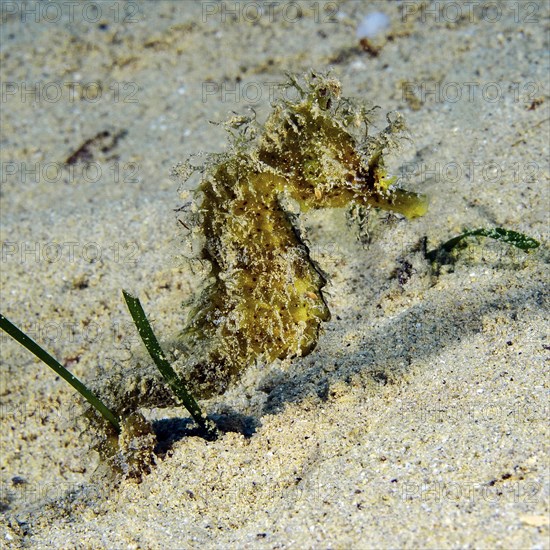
(420, 420)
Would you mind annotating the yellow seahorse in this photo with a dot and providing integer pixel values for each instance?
(266, 299)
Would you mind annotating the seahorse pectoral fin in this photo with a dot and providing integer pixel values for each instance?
(407, 203)
(411, 205)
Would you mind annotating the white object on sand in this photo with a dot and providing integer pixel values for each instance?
(372, 24)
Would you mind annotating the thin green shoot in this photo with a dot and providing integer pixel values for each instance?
(172, 379)
(7, 326)
(514, 238)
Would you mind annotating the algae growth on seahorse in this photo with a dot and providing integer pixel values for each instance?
(265, 299)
